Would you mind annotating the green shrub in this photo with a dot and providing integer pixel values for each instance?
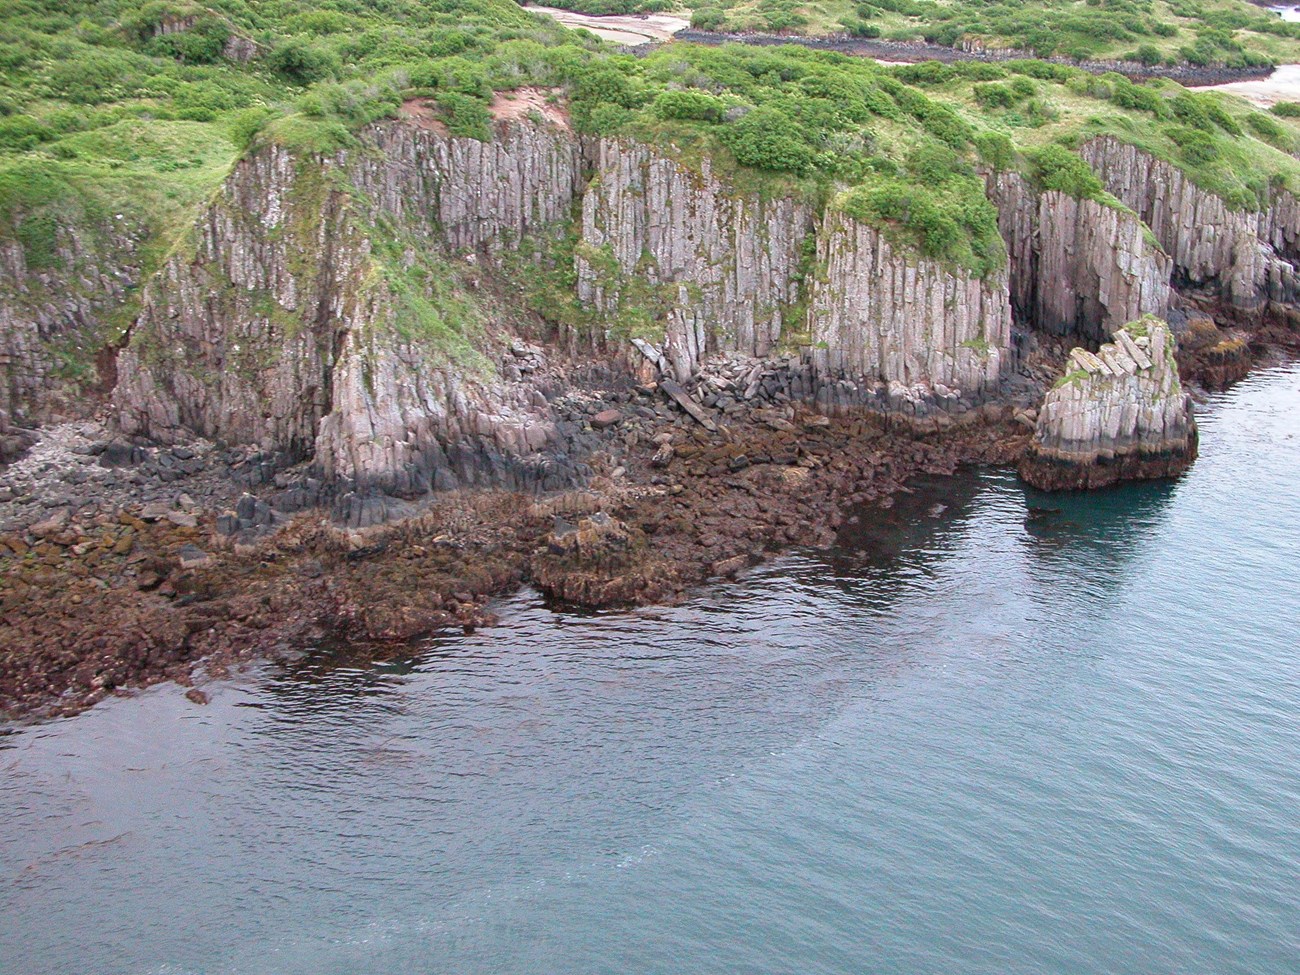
(303, 62)
(856, 27)
(1287, 109)
(1054, 167)
(1202, 112)
(203, 43)
(994, 95)
(1270, 131)
(766, 139)
(1146, 54)
(932, 163)
(465, 116)
(23, 132)
(1195, 145)
(689, 105)
(242, 127)
(954, 223)
(96, 77)
(995, 149)
(708, 18)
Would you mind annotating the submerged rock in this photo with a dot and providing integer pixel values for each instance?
(601, 561)
(1120, 414)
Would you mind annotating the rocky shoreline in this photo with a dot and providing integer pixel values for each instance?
(156, 563)
(384, 384)
(132, 592)
(915, 51)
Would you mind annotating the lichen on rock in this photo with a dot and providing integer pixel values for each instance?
(1117, 414)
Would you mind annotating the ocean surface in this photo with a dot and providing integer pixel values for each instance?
(993, 732)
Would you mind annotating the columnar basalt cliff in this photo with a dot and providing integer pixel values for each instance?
(353, 309)
(904, 323)
(727, 263)
(1247, 258)
(286, 329)
(1077, 267)
(466, 193)
(1119, 414)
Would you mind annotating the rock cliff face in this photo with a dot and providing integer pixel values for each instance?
(1077, 267)
(902, 323)
(58, 293)
(466, 193)
(349, 309)
(1120, 414)
(287, 330)
(726, 265)
(1248, 258)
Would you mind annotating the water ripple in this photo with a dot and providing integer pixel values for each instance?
(995, 732)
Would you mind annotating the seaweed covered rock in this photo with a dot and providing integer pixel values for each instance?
(1206, 354)
(600, 561)
(1119, 414)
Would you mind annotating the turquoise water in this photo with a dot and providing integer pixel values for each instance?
(995, 732)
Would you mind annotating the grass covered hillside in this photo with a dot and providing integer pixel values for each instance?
(133, 112)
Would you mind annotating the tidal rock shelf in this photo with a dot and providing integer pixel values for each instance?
(1119, 414)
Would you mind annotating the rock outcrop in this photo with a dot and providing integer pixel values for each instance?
(723, 266)
(56, 290)
(355, 310)
(897, 322)
(1119, 414)
(600, 561)
(468, 194)
(295, 326)
(1247, 258)
(1077, 267)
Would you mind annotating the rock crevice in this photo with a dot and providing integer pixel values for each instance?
(1077, 267)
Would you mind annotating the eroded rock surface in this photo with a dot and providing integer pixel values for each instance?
(1247, 257)
(900, 321)
(1119, 414)
(725, 265)
(1077, 267)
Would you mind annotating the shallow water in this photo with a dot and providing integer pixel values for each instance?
(995, 732)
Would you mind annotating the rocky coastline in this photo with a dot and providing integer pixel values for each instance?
(292, 447)
(134, 593)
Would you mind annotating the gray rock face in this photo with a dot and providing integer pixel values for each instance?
(281, 330)
(1249, 258)
(1077, 267)
(1119, 414)
(290, 325)
(726, 262)
(58, 297)
(471, 194)
(891, 318)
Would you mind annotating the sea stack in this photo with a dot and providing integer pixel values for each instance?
(1118, 414)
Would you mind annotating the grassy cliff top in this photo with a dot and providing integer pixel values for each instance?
(139, 109)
